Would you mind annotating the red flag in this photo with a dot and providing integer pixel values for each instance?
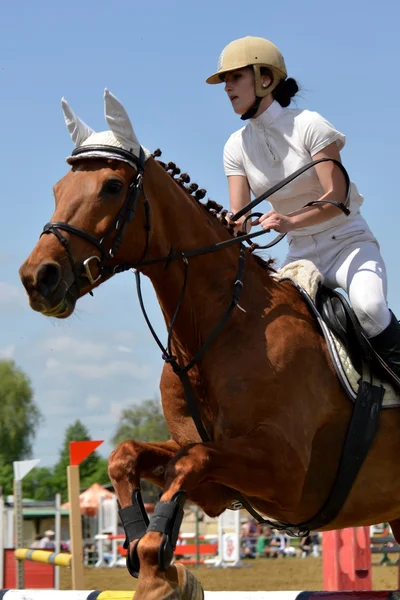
(78, 451)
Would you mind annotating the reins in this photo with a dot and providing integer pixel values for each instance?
(125, 216)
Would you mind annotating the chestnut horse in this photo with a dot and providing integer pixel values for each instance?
(267, 394)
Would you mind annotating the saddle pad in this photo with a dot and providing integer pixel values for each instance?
(306, 275)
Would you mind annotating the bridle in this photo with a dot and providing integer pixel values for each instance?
(123, 218)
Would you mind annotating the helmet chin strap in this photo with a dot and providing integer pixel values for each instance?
(252, 110)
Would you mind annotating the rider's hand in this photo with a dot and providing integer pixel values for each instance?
(276, 221)
(238, 225)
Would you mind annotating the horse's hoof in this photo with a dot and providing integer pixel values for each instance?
(191, 587)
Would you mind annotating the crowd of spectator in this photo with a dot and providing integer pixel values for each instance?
(257, 540)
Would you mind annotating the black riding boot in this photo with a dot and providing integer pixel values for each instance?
(387, 345)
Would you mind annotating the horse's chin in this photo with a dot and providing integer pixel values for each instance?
(64, 309)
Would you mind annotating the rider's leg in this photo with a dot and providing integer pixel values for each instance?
(360, 271)
(387, 345)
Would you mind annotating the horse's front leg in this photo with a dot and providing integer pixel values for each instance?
(256, 466)
(130, 462)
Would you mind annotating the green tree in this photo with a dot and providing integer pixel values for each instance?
(19, 420)
(100, 474)
(39, 484)
(144, 422)
(88, 469)
(6, 477)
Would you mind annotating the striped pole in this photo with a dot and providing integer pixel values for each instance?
(62, 559)
(129, 595)
(18, 524)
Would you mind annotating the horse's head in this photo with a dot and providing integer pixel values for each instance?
(98, 203)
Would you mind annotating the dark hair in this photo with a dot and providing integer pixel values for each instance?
(285, 90)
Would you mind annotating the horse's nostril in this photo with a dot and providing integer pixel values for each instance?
(48, 278)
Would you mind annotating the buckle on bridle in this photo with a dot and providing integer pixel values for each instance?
(88, 273)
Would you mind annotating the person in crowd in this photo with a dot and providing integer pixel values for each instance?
(306, 545)
(47, 542)
(36, 541)
(248, 536)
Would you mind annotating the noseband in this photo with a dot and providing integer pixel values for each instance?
(124, 216)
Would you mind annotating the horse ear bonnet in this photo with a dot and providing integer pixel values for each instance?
(100, 144)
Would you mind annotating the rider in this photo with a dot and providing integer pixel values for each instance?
(275, 142)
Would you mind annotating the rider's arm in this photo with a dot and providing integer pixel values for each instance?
(334, 187)
(239, 194)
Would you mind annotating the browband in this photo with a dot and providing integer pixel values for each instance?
(81, 150)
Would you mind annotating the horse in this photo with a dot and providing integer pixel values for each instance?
(254, 407)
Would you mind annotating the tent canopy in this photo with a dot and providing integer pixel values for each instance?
(89, 500)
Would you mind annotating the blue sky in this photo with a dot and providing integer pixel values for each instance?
(155, 57)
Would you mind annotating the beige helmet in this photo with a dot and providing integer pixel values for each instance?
(251, 51)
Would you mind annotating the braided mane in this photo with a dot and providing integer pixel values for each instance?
(212, 207)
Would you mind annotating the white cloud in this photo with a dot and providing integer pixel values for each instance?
(116, 409)
(103, 422)
(111, 369)
(101, 370)
(57, 402)
(108, 419)
(52, 364)
(79, 349)
(124, 349)
(7, 352)
(125, 336)
(66, 410)
(93, 401)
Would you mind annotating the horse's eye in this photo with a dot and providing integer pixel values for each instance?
(112, 187)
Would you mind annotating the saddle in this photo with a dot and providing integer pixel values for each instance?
(341, 320)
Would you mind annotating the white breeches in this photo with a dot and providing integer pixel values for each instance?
(348, 257)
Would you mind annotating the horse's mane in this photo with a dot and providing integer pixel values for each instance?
(212, 207)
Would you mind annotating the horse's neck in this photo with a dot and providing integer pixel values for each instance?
(180, 223)
(207, 296)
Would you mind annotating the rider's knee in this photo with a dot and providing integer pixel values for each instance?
(372, 313)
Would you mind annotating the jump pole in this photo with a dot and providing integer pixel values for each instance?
(57, 538)
(61, 559)
(21, 468)
(128, 595)
(78, 451)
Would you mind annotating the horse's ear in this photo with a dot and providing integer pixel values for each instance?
(119, 123)
(78, 130)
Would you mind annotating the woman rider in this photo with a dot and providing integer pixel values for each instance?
(275, 142)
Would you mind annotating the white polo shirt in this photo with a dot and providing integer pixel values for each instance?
(273, 146)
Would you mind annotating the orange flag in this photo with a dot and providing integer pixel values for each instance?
(78, 451)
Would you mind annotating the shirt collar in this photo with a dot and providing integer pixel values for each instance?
(268, 116)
